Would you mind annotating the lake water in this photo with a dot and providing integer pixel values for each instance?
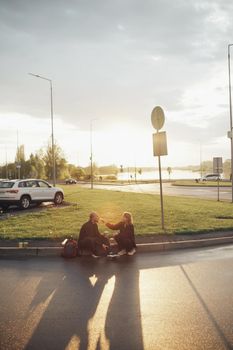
(154, 175)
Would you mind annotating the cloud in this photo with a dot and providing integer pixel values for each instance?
(115, 60)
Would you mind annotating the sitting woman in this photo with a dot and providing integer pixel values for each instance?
(125, 238)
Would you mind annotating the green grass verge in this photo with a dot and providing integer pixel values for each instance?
(193, 183)
(182, 215)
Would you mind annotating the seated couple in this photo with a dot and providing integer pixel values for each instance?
(91, 239)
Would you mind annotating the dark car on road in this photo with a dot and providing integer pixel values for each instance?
(71, 182)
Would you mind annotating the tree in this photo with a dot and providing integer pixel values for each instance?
(227, 168)
(37, 165)
(76, 172)
(61, 165)
(20, 155)
(20, 161)
(207, 166)
(109, 169)
(94, 167)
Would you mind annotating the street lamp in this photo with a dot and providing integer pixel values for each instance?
(18, 165)
(51, 111)
(6, 163)
(231, 124)
(91, 157)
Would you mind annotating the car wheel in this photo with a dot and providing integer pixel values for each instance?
(58, 199)
(4, 207)
(25, 202)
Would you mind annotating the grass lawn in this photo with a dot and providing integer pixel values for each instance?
(182, 215)
(193, 183)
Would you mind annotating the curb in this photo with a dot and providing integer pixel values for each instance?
(203, 242)
(141, 248)
(30, 251)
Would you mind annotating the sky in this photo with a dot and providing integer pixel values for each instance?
(112, 62)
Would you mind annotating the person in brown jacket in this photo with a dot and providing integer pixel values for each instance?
(125, 237)
(91, 239)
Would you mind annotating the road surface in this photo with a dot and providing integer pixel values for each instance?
(168, 189)
(175, 300)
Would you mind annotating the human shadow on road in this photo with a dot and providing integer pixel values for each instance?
(66, 322)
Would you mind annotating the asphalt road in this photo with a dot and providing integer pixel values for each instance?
(174, 300)
(168, 189)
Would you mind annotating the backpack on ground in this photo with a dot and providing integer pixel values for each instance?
(70, 248)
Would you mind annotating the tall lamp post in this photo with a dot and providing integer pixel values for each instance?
(231, 124)
(51, 112)
(6, 163)
(91, 156)
(18, 165)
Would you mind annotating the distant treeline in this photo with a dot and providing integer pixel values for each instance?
(207, 167)
(40, 165)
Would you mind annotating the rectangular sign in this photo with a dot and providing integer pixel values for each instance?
(160, 144)
(217, 165)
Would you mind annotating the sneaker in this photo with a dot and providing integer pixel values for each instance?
(95, 256)
(122, 252)
(132, 252)
(112, 255)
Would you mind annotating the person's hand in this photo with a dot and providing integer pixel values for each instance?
(104, 246)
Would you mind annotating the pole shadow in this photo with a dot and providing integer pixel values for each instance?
(218, 329)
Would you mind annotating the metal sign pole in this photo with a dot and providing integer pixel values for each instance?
(159, 148)
(231, 122)
(218, 171)
(161, 193)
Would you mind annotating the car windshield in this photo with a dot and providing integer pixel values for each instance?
(6, 184)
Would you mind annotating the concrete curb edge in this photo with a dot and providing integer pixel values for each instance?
(142, 247)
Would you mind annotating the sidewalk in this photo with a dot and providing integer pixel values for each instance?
(150, 243)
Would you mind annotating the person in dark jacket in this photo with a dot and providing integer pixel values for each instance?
(91, 239)
(125, 238)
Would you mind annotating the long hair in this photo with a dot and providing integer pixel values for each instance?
(129, 217)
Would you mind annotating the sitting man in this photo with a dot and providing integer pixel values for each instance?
(91, 239)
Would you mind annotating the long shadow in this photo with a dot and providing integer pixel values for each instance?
(73, 304)
(219, 331)
(75, 300)
(123, 321)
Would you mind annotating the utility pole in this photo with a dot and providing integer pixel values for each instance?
(91, 157)
(91, 151)
(6, 163)
(52, 128)
(135, 173)
(18, 165)
(201, 159)
(231, 124)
